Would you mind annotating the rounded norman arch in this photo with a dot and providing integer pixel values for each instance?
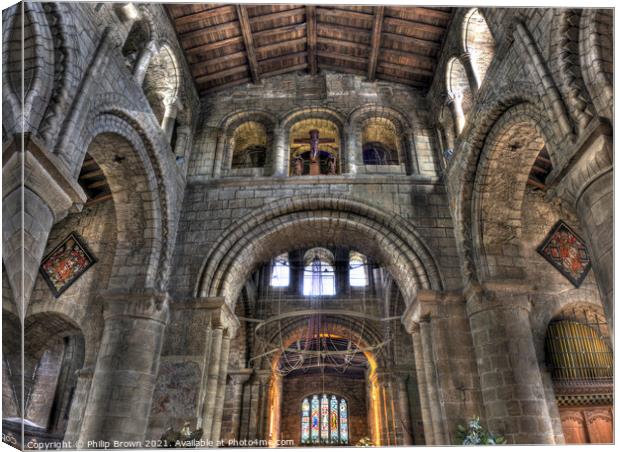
(308, 221)
(469, 152)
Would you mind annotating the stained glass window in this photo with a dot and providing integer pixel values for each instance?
(315, 419)
(333, 420)
(344, 422)
(324, 420)
(305, 422)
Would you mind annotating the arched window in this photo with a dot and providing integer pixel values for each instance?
(314, 148)
(380, 142)
(319, 276)
(324, 420)
(479, 43)
(358, 273)
(249, 146)
(280, 271)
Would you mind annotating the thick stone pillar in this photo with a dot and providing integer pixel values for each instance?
(37, 192)
(143, 62)
(221, 389)
(353, 149)
(588, 186)
(280, 154)
(238, 379)
(403, 416)
(264, 377)
(121, 393)
(511, 384)
(171, 105)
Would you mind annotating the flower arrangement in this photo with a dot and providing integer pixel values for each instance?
(476, 434)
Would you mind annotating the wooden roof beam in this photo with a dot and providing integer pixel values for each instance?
(375, 42)
(311, 36)
(246, 32)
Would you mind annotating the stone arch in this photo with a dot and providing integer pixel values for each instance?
(144, 147)
(366, 335)
(38, 67)
(514, 142)
(290, 118)
(307, 221)
(360, 114)
(232, 122)
(596, 58)
(469, 151)
(478, 42)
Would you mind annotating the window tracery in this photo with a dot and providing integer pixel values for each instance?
(324, 420)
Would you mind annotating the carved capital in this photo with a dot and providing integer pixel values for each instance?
(240, 376)
(149, 305)
(493, 295)
(220, 313)
(44, 174)
(427, 304)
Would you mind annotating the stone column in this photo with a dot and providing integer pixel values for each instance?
(353, 149)
(121, 393)
(208, 412)
(37, 192)
(79, 404)
(143, 62)
(472, 74)
(171, 105)
(263, 403)
(280, 154)
(512, 388)
(429, 434)
(588, 187)
(432, 383)
(219, 153)
(404, 416)
(412, 164)
(221, 389)
(454, 103)
(238, 379)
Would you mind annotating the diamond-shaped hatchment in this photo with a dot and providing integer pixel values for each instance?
(567, 252)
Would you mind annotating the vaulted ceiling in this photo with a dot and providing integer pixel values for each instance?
(228, 45)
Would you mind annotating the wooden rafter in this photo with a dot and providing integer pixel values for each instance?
(375, 42)
(246, 32)
(311, 37)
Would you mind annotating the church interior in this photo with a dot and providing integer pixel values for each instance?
(310, 225)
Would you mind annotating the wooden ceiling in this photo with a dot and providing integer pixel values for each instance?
(228, 44)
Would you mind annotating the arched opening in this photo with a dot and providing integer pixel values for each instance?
(358, 270)
(381, 144)
(161, 87)
(459, 92)
(137, 40)
(319, 273)
(54, 350)
(579, 357)
(249, 146)
(298, 343)
(479, 43)
(314, 148)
